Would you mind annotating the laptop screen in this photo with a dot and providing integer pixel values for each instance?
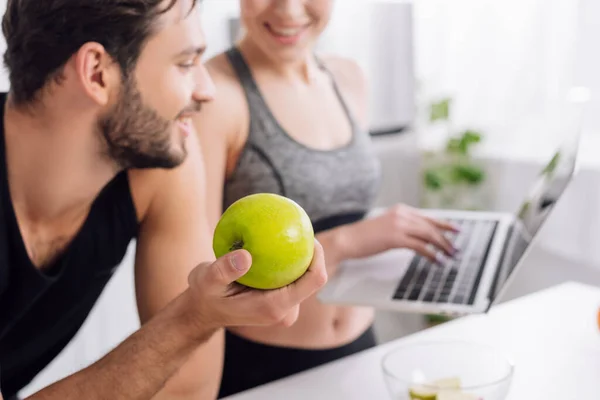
(543, 195)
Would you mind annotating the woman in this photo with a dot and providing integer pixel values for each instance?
(288, 122)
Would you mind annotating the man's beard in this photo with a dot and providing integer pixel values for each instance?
(136, 136)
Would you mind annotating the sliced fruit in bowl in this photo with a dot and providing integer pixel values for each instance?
(430, 391)
(455, 395)
(447, 383)
(422, 393)
(441, 389)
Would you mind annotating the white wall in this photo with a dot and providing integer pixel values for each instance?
(503, 62)
(588, 58)
(215, 15)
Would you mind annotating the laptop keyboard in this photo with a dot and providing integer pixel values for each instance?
(457, 279)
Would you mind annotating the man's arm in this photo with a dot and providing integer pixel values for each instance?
(174, 237)
(139, 367)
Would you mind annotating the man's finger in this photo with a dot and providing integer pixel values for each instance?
(291, 318)
(225, 270)
(314, 279)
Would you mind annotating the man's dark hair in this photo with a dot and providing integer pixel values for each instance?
(41, 36)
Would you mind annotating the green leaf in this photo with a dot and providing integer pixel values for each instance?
(440, 111)
(471, 136)
(433, 180)
(469, 173)
(524, 209)
(552, 164)
(463, 143)
(455, 146)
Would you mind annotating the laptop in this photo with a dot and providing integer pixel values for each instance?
(492, 247)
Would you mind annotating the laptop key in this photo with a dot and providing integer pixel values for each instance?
(450, 281)
(463, 288)
(446, 290)
(452, 274)
(429, 296)
(434, 285)
(422, 277)
(417, 288)
(408, 276)
(458, 299)
(414, 294)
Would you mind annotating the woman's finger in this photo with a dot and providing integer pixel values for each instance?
(422, 248)
(423, 230)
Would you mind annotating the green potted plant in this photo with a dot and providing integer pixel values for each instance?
(451, 177)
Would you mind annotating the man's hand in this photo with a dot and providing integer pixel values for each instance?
(220, 302)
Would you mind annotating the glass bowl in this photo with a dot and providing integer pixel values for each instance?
(450, 370)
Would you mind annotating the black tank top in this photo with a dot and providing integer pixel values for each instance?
(41, 311)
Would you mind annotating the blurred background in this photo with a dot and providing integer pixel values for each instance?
(476, 82)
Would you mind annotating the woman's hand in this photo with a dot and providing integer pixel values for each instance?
(400, 226)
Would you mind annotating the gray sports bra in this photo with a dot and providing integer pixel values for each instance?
(327, 184)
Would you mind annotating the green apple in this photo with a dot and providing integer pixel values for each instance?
(275, 230)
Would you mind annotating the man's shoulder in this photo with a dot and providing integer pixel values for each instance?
(144, 184)
(152, 187)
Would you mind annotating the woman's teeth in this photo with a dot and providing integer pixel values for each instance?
(287, 31)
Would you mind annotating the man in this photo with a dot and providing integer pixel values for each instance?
(94, 152)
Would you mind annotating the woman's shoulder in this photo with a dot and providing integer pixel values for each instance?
(229, 92)
(352, 81)
(226, 112)
(345, 69)
(221, 71)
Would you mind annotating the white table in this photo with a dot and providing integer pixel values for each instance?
(552, 336)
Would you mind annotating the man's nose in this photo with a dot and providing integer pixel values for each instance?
(205, 89)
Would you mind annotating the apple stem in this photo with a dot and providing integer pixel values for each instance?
(238, 244)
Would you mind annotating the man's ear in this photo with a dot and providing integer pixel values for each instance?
(97, 72)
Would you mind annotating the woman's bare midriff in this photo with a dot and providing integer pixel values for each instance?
(318, 326)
